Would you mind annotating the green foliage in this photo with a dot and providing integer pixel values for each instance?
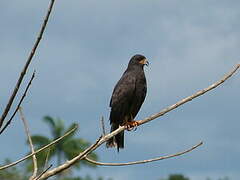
(19, 173)
(182, 177)
(81, 178)
(176, 177)
(225, 178)
(13, 173)
(68, 148)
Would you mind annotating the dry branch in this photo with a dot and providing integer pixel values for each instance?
(103, 139)
(174, 106)
(35, 168)
(19, 104)
(144, 161)
(83, 155)
(39, 150)
(21, 76)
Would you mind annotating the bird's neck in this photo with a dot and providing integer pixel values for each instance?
(136, 67)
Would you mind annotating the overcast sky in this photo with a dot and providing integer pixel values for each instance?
(86, 48)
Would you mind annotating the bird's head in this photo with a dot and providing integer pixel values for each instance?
(138, 60)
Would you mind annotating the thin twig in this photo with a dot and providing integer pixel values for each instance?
(103, 126)
(144, 161)
(21, 76)
(39, 150)
(19, 104)
(40, 175)
(35, 168)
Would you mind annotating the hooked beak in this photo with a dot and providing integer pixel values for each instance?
(144, 62)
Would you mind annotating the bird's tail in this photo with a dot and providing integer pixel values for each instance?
(117, 140)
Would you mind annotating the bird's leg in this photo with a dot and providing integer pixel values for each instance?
(132, 125)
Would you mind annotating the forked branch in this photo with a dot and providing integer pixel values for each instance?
(144, 161)
(103, 139)
(83, 155)
(19, 104)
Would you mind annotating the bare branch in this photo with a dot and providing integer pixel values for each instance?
(19, 104)
(103, 139)
(39, 150)
(9, 104)
(40, 175)
(144, 161)
(35, 168)
(174, 106)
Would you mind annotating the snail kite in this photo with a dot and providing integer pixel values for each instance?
(127, 99)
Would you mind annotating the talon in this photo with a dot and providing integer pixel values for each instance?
(132, 125)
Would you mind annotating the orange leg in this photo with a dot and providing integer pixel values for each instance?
(131, 125)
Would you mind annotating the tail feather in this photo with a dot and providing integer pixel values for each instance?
(118, 140)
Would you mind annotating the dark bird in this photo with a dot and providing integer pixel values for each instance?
(127, 99)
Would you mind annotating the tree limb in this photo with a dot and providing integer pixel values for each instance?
(35, 168)
(12, 97)
(174, 106)
(144, 161)
(103, 139)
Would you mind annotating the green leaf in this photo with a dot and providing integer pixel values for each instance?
(40, 140)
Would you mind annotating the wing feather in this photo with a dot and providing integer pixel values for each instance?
(122, 96)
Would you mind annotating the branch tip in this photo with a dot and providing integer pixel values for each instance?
(144, 161)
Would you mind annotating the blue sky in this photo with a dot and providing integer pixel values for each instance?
(86, 48)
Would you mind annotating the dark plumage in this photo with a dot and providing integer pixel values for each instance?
(127, 98)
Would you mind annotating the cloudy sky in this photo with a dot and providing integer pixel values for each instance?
(86, 48)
